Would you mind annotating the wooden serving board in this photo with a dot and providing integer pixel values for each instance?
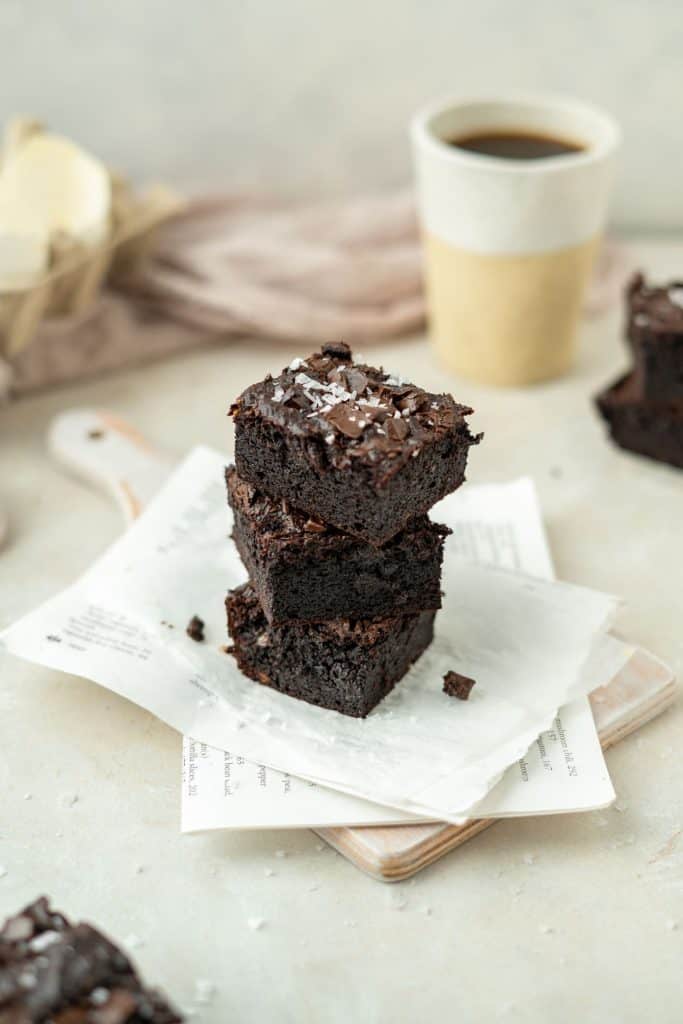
(643, 689)
(106, 450)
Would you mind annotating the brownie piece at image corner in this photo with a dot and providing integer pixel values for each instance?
(648, 428)
(655, 333)
(343, 666)
(305, 571)
(52, 970)
(350, 444)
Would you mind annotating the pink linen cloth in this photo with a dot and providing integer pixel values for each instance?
(249, 266)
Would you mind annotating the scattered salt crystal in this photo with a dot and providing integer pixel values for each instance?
(310, 383)
(280, 853)
(255, 923)
(28, 796)
(68, 799)
(3, 872)
(676, 296)
(133, 942)
(314, 887)
(297, 363)
(672, 926)
(204, 991)
(320, 847)
(529, 858)
(405, 413)
(278, 393)
(427, 911)
(268, 872)
(139, 869)
(99, 995)
(546, 929)
(416, 453)
(27, 980)
(43, 940)
(396, 900)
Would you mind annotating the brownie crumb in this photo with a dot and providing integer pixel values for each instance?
(195, 629)
(457, 685)
(95, 435)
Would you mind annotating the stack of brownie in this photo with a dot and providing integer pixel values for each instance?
(644, 408)
(336, 466)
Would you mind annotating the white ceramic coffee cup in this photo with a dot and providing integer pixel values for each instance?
(509, 244)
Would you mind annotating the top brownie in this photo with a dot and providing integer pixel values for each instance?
(51, 970)
(359, 448)
(655, 332)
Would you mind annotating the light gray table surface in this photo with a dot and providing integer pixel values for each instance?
(574, 918)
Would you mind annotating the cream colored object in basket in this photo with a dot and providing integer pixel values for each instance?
(111, 232)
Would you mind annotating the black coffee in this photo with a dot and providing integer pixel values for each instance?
(519, 145)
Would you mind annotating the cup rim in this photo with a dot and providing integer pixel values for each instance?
(424, 137)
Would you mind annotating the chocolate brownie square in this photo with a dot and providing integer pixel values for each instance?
(350, 444)
(655, 333)
(344, 665)
(52, 970)
(303, 570)
(649, 428)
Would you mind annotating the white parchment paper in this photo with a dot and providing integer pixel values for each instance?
(563, 771)
(532, 646)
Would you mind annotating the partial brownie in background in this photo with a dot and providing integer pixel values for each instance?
(655, 332)
(345, 665)
(350, 444)
(303, 570)
(55, 971)
(652, 428)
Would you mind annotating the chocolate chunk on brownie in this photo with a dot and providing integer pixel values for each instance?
(655, 333)
(350, 444)
(649, 428)
(344, 665)
(303, 570)
(52, 970)
(457, 685)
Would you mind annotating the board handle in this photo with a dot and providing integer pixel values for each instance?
(103, 449)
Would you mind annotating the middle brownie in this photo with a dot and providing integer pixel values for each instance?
(304, 570)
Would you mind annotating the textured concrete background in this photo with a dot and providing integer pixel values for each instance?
(315, 95)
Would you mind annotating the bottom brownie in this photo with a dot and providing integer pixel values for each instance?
(51, 970)
(344, 665)
(649, 428)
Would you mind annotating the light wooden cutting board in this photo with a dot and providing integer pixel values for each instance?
(105, 450)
